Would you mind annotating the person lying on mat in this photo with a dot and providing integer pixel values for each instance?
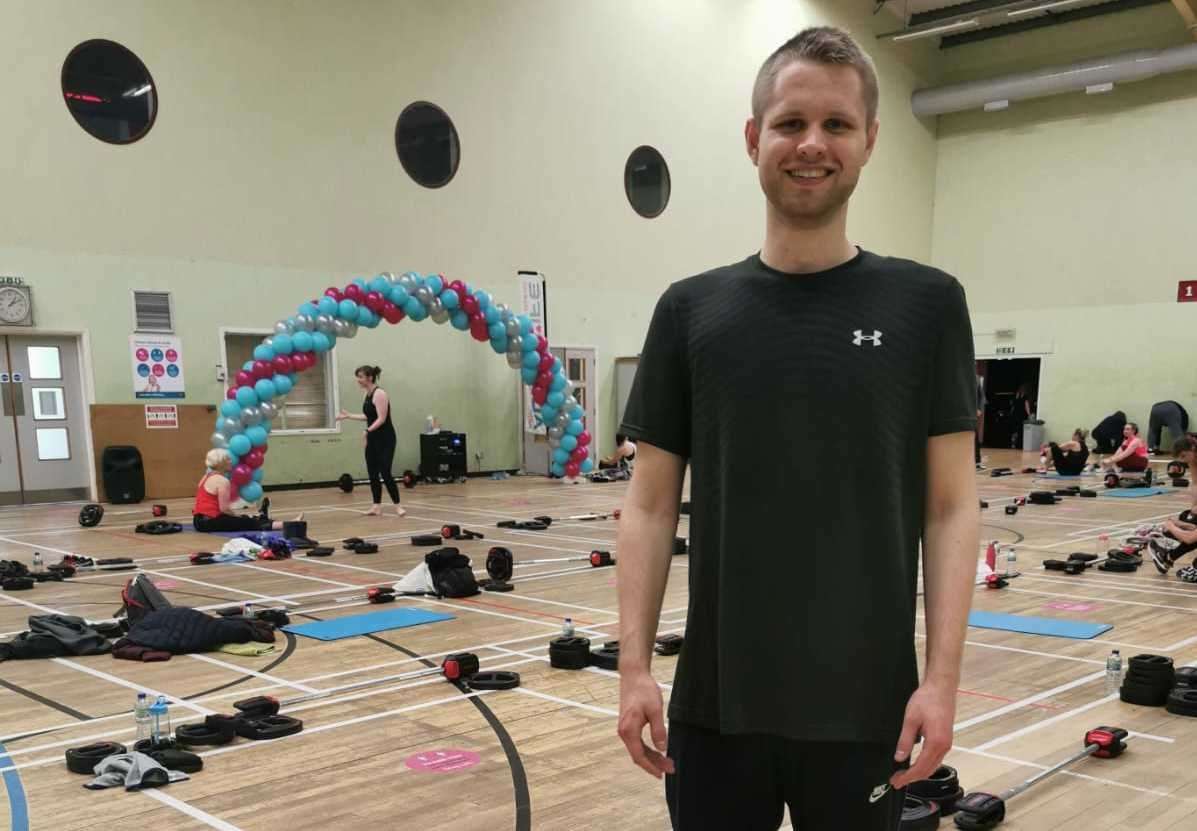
(1068, 458)
(1132, 455)
(212, 511)
(624, 455)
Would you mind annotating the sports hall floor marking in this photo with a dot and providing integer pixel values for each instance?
(190, 810)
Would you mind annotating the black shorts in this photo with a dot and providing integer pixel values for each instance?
(745, 782)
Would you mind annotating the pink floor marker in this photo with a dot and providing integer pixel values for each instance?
(442, 761)
(1065, 606)
(165, 585)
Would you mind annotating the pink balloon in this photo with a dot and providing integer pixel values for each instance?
(231, 394)
(470, 304)
(374, 301)
(353, 292)
(480, 330)
(572, 469)
(458, 287)
(334, 293)
(546, 362)
(391, 313)
(580, 453)
(583, 439)
(244, 379)
(241, 474)
(539, 394)
(542, 345)
(282, 364)
(262, 450)
(262, 369)
(253, 460)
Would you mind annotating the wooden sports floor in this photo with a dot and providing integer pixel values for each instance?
(417, 753)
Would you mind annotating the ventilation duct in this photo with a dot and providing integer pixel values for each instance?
(1084, 76)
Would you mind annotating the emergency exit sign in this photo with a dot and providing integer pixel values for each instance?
(1186, 291)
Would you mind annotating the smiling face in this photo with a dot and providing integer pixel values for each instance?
(811, 142)
(363, 380)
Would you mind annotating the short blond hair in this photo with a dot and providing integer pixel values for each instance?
(824, 45)
(218, 459)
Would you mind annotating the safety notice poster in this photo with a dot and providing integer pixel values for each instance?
(157, 366)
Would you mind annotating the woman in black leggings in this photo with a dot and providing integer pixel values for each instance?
(1070, 457)
(213, 510)
(379, 438)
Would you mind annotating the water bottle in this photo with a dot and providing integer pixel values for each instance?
(141, 716)
(1102, 544)
(37, 561)
(1113, 672)
(1011, 560)
(567, 631)
(160, 731)
(247, 609)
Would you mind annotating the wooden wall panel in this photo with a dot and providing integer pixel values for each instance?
(173, 459)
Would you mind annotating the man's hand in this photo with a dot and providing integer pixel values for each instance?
(640, 703)
(929, 714)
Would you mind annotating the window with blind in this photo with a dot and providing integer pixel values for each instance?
(309, 405)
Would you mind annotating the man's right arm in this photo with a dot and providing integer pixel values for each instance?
(647, 526)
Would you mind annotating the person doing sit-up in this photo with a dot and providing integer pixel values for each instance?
(1068, 458)
(1178, 536)
(1132, 455)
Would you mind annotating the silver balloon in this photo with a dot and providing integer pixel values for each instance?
(424, 295)
(251, 416)
(515, 344)
(554, 443)
(304, 323)
(437, 311)
(555, 433)
(268, 343)
(568, 391)
(283, 327)
(513, 330)
(326, 324)
(340, 327)
(515, 360)
(350, 329)
(504, 311)
(219, 440)
(561, 420)
(408, 281)
(268, 410)
(228, 426)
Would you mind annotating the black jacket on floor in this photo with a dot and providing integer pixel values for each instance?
(181, 631)
(53, 636)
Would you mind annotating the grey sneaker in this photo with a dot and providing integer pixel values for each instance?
(1161, 554)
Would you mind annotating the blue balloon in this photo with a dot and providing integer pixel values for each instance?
(574, 427)
(308, 309)
(435, 283)
(532, 359)
(256, 435)
(347, 310)
(547, 413)
(381, 285)
(267, 426)
(558, 383)
(586, 466)
(360, 282)
(555, 399)
(327, 306)
(240, 444)
(293, 377)
(302, 342)
(557, 470)
(415, 309)
(492, 315)
(320, 342)
(569, 442)
(246, 397)
(483, 298)
(398, 296)
(528, 375)
(265, 389)
(577, 415)
(499, 345)
(283, 344)
(460, 320)
(262, 352)
(449, 299)
(259, 474)
(373, 322)
(234, 460)
(230, 408)
(525, 324)
(528, 344)
(497, 330)
(282, 384)
(556, 367)
(560, 455)
(248, 366)
(363, 316)
(251, 492)
(332, 340)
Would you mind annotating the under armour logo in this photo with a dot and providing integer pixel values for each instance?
(859, 337)
(878, 792)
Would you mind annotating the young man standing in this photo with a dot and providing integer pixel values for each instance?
(798, 683)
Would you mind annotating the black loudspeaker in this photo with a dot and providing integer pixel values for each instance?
(124, 476)
(442, 455)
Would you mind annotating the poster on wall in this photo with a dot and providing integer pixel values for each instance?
(534, 304)
(157, 366)
(162, 416)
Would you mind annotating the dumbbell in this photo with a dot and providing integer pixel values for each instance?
(346, 482)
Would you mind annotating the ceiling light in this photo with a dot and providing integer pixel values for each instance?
(947, 27)
(1043, 8)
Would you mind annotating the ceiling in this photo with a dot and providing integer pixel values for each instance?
(959, 22)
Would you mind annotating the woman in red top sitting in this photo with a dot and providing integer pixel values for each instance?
(212, 503)
(1132, 455)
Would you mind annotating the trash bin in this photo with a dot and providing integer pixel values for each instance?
(1032, 435)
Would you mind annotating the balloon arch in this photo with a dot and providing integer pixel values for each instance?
(261, 385)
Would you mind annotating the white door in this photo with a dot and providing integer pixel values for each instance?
(579, 368)
(43, 426)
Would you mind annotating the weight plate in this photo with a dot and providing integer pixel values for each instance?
(494, 680)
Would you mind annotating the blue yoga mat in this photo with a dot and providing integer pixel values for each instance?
(1056, 627)
(1133, 493)
(347, 627)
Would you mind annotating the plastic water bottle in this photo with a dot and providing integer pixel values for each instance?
(1113, 672)
(160, 730)
(1101, 545)
(1011, 560)
(247, 609)
(567, 631)
(37, 561)
(141, 716)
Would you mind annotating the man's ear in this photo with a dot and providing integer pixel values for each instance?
(752, 139)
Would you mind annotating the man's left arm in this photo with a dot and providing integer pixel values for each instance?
(951, 539)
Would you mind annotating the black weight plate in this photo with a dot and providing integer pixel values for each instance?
(84, 759)
(345, 482)
(147, 745)
(177, 760)
(494, 680)
(1186, 676)
(605, 658)
(1134, 695)
(919, 814)
(203, 735)
(268, 727)
(940, 785)
(1149, 661)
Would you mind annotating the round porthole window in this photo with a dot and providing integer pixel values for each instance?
(646, 181)
(109, 91)
(427, 143)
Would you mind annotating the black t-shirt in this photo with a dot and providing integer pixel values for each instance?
(804, 404)
(386, 430)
